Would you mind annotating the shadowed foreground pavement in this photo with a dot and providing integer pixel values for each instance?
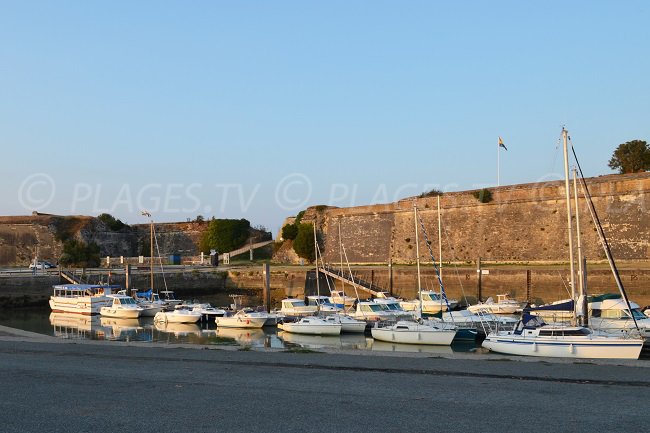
(50, 386)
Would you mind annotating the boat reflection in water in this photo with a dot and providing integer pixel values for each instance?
(383, 346)
(70, 325)
(178, 329)
(121, 329)
(343, 341)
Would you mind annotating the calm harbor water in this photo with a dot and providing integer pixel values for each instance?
(75, 326)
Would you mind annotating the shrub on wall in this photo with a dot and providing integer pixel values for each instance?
(484, 195)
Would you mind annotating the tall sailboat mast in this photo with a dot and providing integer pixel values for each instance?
(565, 136)
(417, 253)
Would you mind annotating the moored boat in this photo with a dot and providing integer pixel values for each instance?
(503, 305)
(177, 316)
(409, 332)
(348, 324)
(533, 337)
(241, 319)
(122, 307)
(311, 325)
(80, 298)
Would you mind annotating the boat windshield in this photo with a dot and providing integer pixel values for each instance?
(293, 304)
(430, 297)
(376, 308)
(128, 301)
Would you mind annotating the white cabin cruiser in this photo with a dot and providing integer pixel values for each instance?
(611, 315)
(242, 319)
(80, 298)
(324, 304)
(311, 325)
(348, 324)
(503, 305)
(293, 307)
(533, 337)
(409, 332)
(341, 300)
(122, 307)
(177, 316)
(432, 303)
(371, 311)
(169, 298)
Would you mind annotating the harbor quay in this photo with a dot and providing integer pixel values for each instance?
(54, 385)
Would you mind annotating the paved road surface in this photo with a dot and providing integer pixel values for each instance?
(53, 386)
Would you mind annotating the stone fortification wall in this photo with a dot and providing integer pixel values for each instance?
(522, 223)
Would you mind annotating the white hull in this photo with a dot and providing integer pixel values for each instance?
(311, 329)
(240, 322)
(428, 307)
(348, 324)
(495, 308)
(80, 305)
(177, 317)
(416, 334)
(120, 313)
(584, 347)
(150, 310)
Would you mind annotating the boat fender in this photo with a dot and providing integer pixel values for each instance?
(248, 322)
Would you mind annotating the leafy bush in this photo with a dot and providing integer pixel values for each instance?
(431, 193)
(289, 232)
(77, 253)
(225, 235)
(111, 222)
(299, 217)
(303, 245)
(484, 195)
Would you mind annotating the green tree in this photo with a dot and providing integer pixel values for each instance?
(225, 235)
(303, 245)
(77, 253)
(631, 157)
(289, 232)
(111, 222)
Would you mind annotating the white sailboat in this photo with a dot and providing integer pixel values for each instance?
(533, 337)
(411, 332)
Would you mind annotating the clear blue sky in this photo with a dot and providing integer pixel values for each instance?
(251, 109)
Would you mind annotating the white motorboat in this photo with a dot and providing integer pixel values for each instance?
(272, 319)
(409, 332)
(149, 308)
(465, 318)
(122, 307)
(80, 298)
(293, 307)
(242, 319)
(207, 311)
(371, 311)
(432, 303)
(341, 300)
(149, 302)
(533, 337)
(503, 305)
(348, 324)
(169, 298)
(324, 304)
(610, 314)
(177, 316)
(311, 325)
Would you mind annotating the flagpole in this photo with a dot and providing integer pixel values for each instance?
(498, 164)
